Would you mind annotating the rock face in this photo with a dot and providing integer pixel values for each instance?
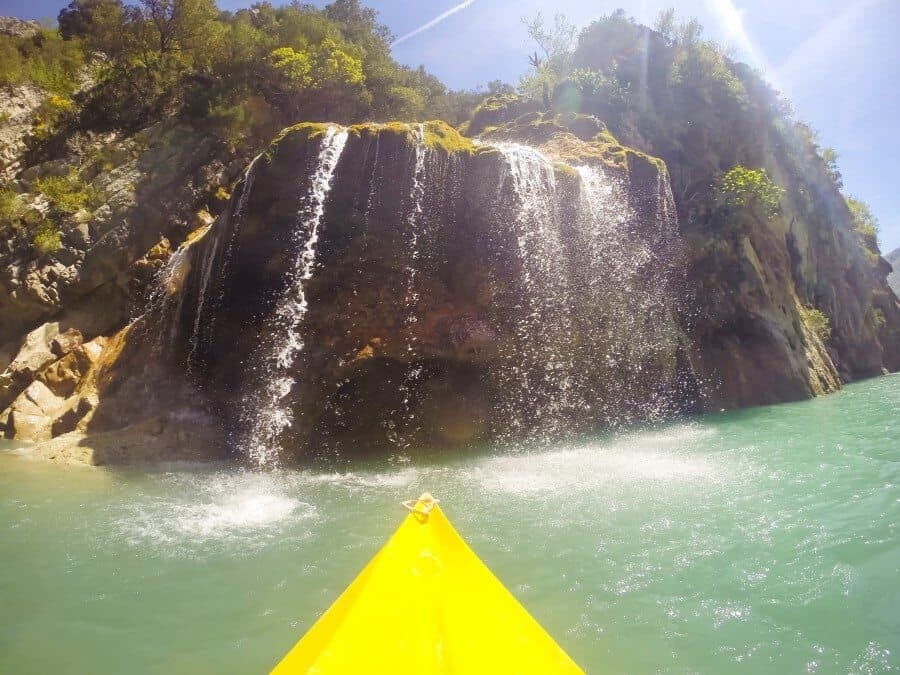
(756, 283)
(894, 277)
(145, 186)
(395, 286)
(111, 203)
(403, 287)
(18, 27)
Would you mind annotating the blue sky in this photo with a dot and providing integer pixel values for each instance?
(838, 61)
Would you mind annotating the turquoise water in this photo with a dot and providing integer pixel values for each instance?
(763, 541)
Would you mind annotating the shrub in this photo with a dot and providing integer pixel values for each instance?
(67, 194)
(45, 60)
(9, 205)
(864, 223)
(749, 189)
(46, 238)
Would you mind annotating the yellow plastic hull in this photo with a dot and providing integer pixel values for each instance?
(424, 605)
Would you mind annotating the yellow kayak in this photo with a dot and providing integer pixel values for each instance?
(425, 604)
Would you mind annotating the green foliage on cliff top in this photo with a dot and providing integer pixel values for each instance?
(44, 60)
(676, 95)
(244, 75)
(864, 223)
(440, 135)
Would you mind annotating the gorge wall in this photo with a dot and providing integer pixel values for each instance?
(894, 277)
(401, 286)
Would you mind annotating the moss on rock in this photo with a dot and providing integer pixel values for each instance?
(441, 136)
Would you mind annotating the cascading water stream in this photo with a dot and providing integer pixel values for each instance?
(226, 227)
(622, 274)
(542, 363)
(266, 414)
(414, 222)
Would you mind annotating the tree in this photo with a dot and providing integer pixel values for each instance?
(90, 20)
(829, 158)
(552, 61)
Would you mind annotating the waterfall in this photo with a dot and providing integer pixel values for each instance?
(401, 434)
(537, 376)
(216, 259)
(165, 301)
(267, 414)
(626, 273)
(458, 296)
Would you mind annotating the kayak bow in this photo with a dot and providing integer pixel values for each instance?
(426, 604)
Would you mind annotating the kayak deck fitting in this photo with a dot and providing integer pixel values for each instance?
(426, 604)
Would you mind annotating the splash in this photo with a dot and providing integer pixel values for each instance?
(538, 369)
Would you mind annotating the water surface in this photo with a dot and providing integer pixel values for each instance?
(758, 541)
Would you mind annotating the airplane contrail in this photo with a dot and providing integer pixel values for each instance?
(434, 22)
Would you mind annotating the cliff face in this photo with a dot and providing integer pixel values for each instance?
(760, 284)
(756, 285)
(894, 277)
(446, 292)
(402, 286)
(86, 227)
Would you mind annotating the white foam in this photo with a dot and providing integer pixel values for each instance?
(653, 457)
(206, 508)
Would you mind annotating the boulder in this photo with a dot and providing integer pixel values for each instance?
(33, 356)
(65, 342)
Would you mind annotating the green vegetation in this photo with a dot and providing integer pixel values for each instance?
(816, 322)
(9, 205)
(864, 223)
(444, 137)
(243, 75)
(553, 62)
(67, 194)
(45, 60)
(676, 95)
(752, 190)
(41, 234)
(46, 238)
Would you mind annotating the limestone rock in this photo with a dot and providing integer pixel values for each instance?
(894, 277)
(18, 27)
(33, 356)
(65, 342)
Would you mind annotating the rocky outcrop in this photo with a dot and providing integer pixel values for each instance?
(18, 27)
(19, 108)
(894, 277)
(132, 192)
(756, 282)
(395, 286)
(456, 292)
(82, 242)
(110, 400)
